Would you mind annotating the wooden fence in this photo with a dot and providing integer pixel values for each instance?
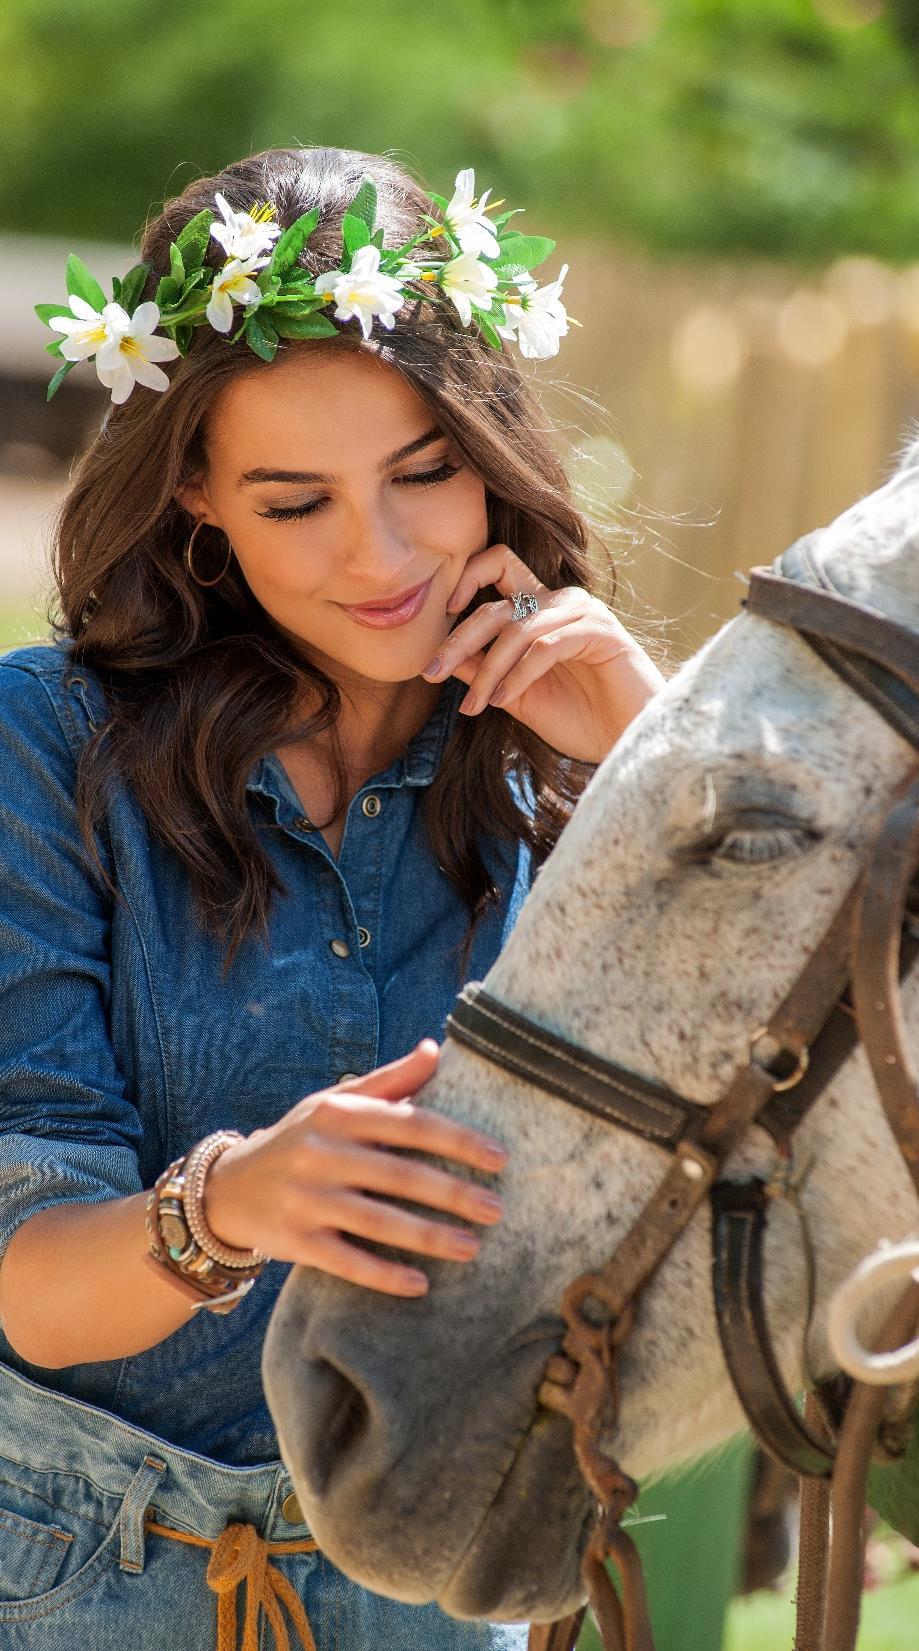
(744, 406)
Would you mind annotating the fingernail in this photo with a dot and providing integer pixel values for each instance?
(495, 1152)
(415, 1283)
(432, 667)
(498, 697)
(463, 1244)
(468, 702)
(489, 1204)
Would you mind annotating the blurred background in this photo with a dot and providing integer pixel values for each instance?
(734, 182)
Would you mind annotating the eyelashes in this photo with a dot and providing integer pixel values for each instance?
(424, 478)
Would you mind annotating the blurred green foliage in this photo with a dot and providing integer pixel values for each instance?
(773, 127)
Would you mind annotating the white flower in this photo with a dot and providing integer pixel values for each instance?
(242, 235)
(86, 329)
(364, 292)
(233, 285)
(124, 346)
(468, 282)
(465, 218)
(537, 318)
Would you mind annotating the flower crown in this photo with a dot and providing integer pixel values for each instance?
(486, 277)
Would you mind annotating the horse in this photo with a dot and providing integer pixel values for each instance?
(709, 853)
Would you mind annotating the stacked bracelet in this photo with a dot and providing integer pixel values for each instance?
(214, 1275)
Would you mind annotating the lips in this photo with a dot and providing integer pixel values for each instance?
(399, 610)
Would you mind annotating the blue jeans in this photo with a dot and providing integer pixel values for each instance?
(78, 1568)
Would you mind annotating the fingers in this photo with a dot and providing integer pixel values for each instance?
(333, 1254)
(339, 1164)
(397, 1078)
(513, 640)
(400, 1124)
(363, 1217)
(542, 654)
(497, 565)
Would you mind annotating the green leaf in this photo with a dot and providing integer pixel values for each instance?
(364, 205)
(505, 217)
(176, 266)
(354, 234)
(267, 282)
(116, 290)
(59, 377)
(46, 312)
(297, 312)
(132, 286)
(192, 243)
(168, 292)
(439, 200)
(376, 238)
(183, 337)
(307, 326)
(487, 330)
(521, 252)
(261, 337)
(527, 250)
(288, 249)
(200, 278)
(55, 347)
(80, 284)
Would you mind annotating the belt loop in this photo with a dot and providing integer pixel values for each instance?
(135, 1504)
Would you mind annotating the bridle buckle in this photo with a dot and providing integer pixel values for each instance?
(801, 1058)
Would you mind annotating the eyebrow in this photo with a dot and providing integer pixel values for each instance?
(250, 477)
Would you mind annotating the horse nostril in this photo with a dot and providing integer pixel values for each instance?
(340, 1416)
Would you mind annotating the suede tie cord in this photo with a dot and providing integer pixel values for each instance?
(238, 1555)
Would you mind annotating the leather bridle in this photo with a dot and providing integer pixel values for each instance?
(847, 992)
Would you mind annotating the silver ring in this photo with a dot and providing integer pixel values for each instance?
(524, 602)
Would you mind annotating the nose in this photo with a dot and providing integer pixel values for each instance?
(377, 553)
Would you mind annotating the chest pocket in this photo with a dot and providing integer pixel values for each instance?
(31, 1555)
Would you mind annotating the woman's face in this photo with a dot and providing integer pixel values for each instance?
(336, 488)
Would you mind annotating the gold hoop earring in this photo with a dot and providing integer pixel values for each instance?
(189, 548)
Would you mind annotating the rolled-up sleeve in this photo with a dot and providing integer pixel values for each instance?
(68, 1132)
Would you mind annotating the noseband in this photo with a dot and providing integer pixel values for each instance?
(847, 993)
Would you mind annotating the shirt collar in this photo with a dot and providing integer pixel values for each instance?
(416, 765)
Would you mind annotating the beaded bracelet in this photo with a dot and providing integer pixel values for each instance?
(211, 1283)
(197, 1164)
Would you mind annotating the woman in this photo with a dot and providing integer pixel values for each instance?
(257, 835)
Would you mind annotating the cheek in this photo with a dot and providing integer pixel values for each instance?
(454, 519)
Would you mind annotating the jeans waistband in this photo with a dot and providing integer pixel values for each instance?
(48, 1432)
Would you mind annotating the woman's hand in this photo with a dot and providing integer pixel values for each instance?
(571, 672)
(293, 1190)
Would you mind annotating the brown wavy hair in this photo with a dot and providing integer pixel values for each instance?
(201, 682)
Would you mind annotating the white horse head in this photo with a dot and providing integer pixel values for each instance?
(705, 860)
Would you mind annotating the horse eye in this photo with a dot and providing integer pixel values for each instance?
(750, 847)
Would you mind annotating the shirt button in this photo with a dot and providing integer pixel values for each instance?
(371, 806)
(363, 936)
(344, 1076)
(291, 1510)
(303, 823)
(340, 948)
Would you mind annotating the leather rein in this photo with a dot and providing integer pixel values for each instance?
(847, 993)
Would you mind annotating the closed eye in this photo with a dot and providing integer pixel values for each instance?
(755, 847)
(752, 838)
(421, 478)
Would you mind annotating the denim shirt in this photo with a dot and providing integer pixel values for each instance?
(122, 1044)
